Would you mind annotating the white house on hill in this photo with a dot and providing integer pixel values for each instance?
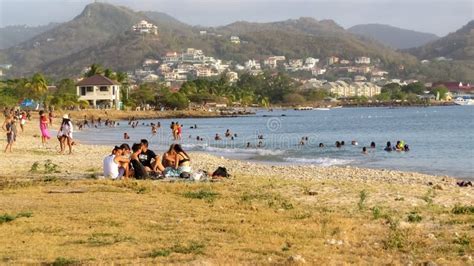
(99, 91)
(145, 27)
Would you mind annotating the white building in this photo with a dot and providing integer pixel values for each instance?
(150, 78)
(272, 61)
(144, 27)
(344, 89)
(235, 39)
(362, 60)
(252, 65)
(318, 71)
(310, 63)
(99, 91)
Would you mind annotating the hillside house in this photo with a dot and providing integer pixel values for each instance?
(144, 27)
(362, 60)
(99, 91)
(235, 39)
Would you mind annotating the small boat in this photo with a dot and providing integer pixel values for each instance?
(303, 108)
(337, 107)
(322, 109)
(464, 100)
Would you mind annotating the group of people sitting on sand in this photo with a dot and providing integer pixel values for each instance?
(142, 163)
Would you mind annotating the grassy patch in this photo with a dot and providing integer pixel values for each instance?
(34, 167)
(414, 217)
(459, 209)
(191, 248)
(50, 167)
(429, 196)
(24, 214)
(159, 253)
(5, 218)
(377, 212)
(103, 239)
(61, 261)
(201, 194)
(49, 178)
(396, 238)
(362, 197)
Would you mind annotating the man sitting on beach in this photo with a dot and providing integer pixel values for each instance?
(149, 159)
(115, 165)
(139, 171)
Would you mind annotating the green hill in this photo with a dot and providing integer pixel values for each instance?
(458, 45)
(392, 36)
(13, 35)
(101, 34)
(96, 24)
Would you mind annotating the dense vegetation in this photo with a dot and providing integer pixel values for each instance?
(268, 88)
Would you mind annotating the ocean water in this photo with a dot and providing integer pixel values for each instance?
(441, 139)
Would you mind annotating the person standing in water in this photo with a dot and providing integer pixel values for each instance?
(45, 136)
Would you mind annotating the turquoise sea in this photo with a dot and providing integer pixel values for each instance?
(441, 139)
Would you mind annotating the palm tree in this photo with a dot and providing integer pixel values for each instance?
(37, 86)
(94, 69)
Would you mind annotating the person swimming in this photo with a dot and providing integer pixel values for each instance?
(321, 145)
(338, 144)
(354, 143)
(388, 147)
(126, 136)
(364, 150)
(372, 145)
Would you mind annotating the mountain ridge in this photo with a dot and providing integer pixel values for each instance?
(394, 37)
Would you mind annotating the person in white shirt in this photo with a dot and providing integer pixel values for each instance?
(65, 134)
(115, 165)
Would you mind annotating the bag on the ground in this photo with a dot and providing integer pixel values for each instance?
(185, 175)
(220, 172)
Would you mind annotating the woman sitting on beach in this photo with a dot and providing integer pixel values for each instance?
(65, 134)
(176, 162)
(115, 165)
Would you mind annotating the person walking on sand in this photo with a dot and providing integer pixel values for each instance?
(51, 116)
(9, 127)
(44, 128)
(65, 134)
(22, 120)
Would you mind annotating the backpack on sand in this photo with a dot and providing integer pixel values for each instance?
(220, 172)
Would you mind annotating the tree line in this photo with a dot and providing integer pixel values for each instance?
(265, 89)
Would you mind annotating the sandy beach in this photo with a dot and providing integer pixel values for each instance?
(263, 214)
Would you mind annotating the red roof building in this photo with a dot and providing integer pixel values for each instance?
(455, 86)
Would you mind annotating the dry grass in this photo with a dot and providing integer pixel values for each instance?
(245, 220)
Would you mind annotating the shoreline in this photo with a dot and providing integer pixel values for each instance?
(28, 148)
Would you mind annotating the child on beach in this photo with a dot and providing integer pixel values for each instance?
(44, 128)
(10, 128)
(22, 120)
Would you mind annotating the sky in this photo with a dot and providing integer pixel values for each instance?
(434, 16)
